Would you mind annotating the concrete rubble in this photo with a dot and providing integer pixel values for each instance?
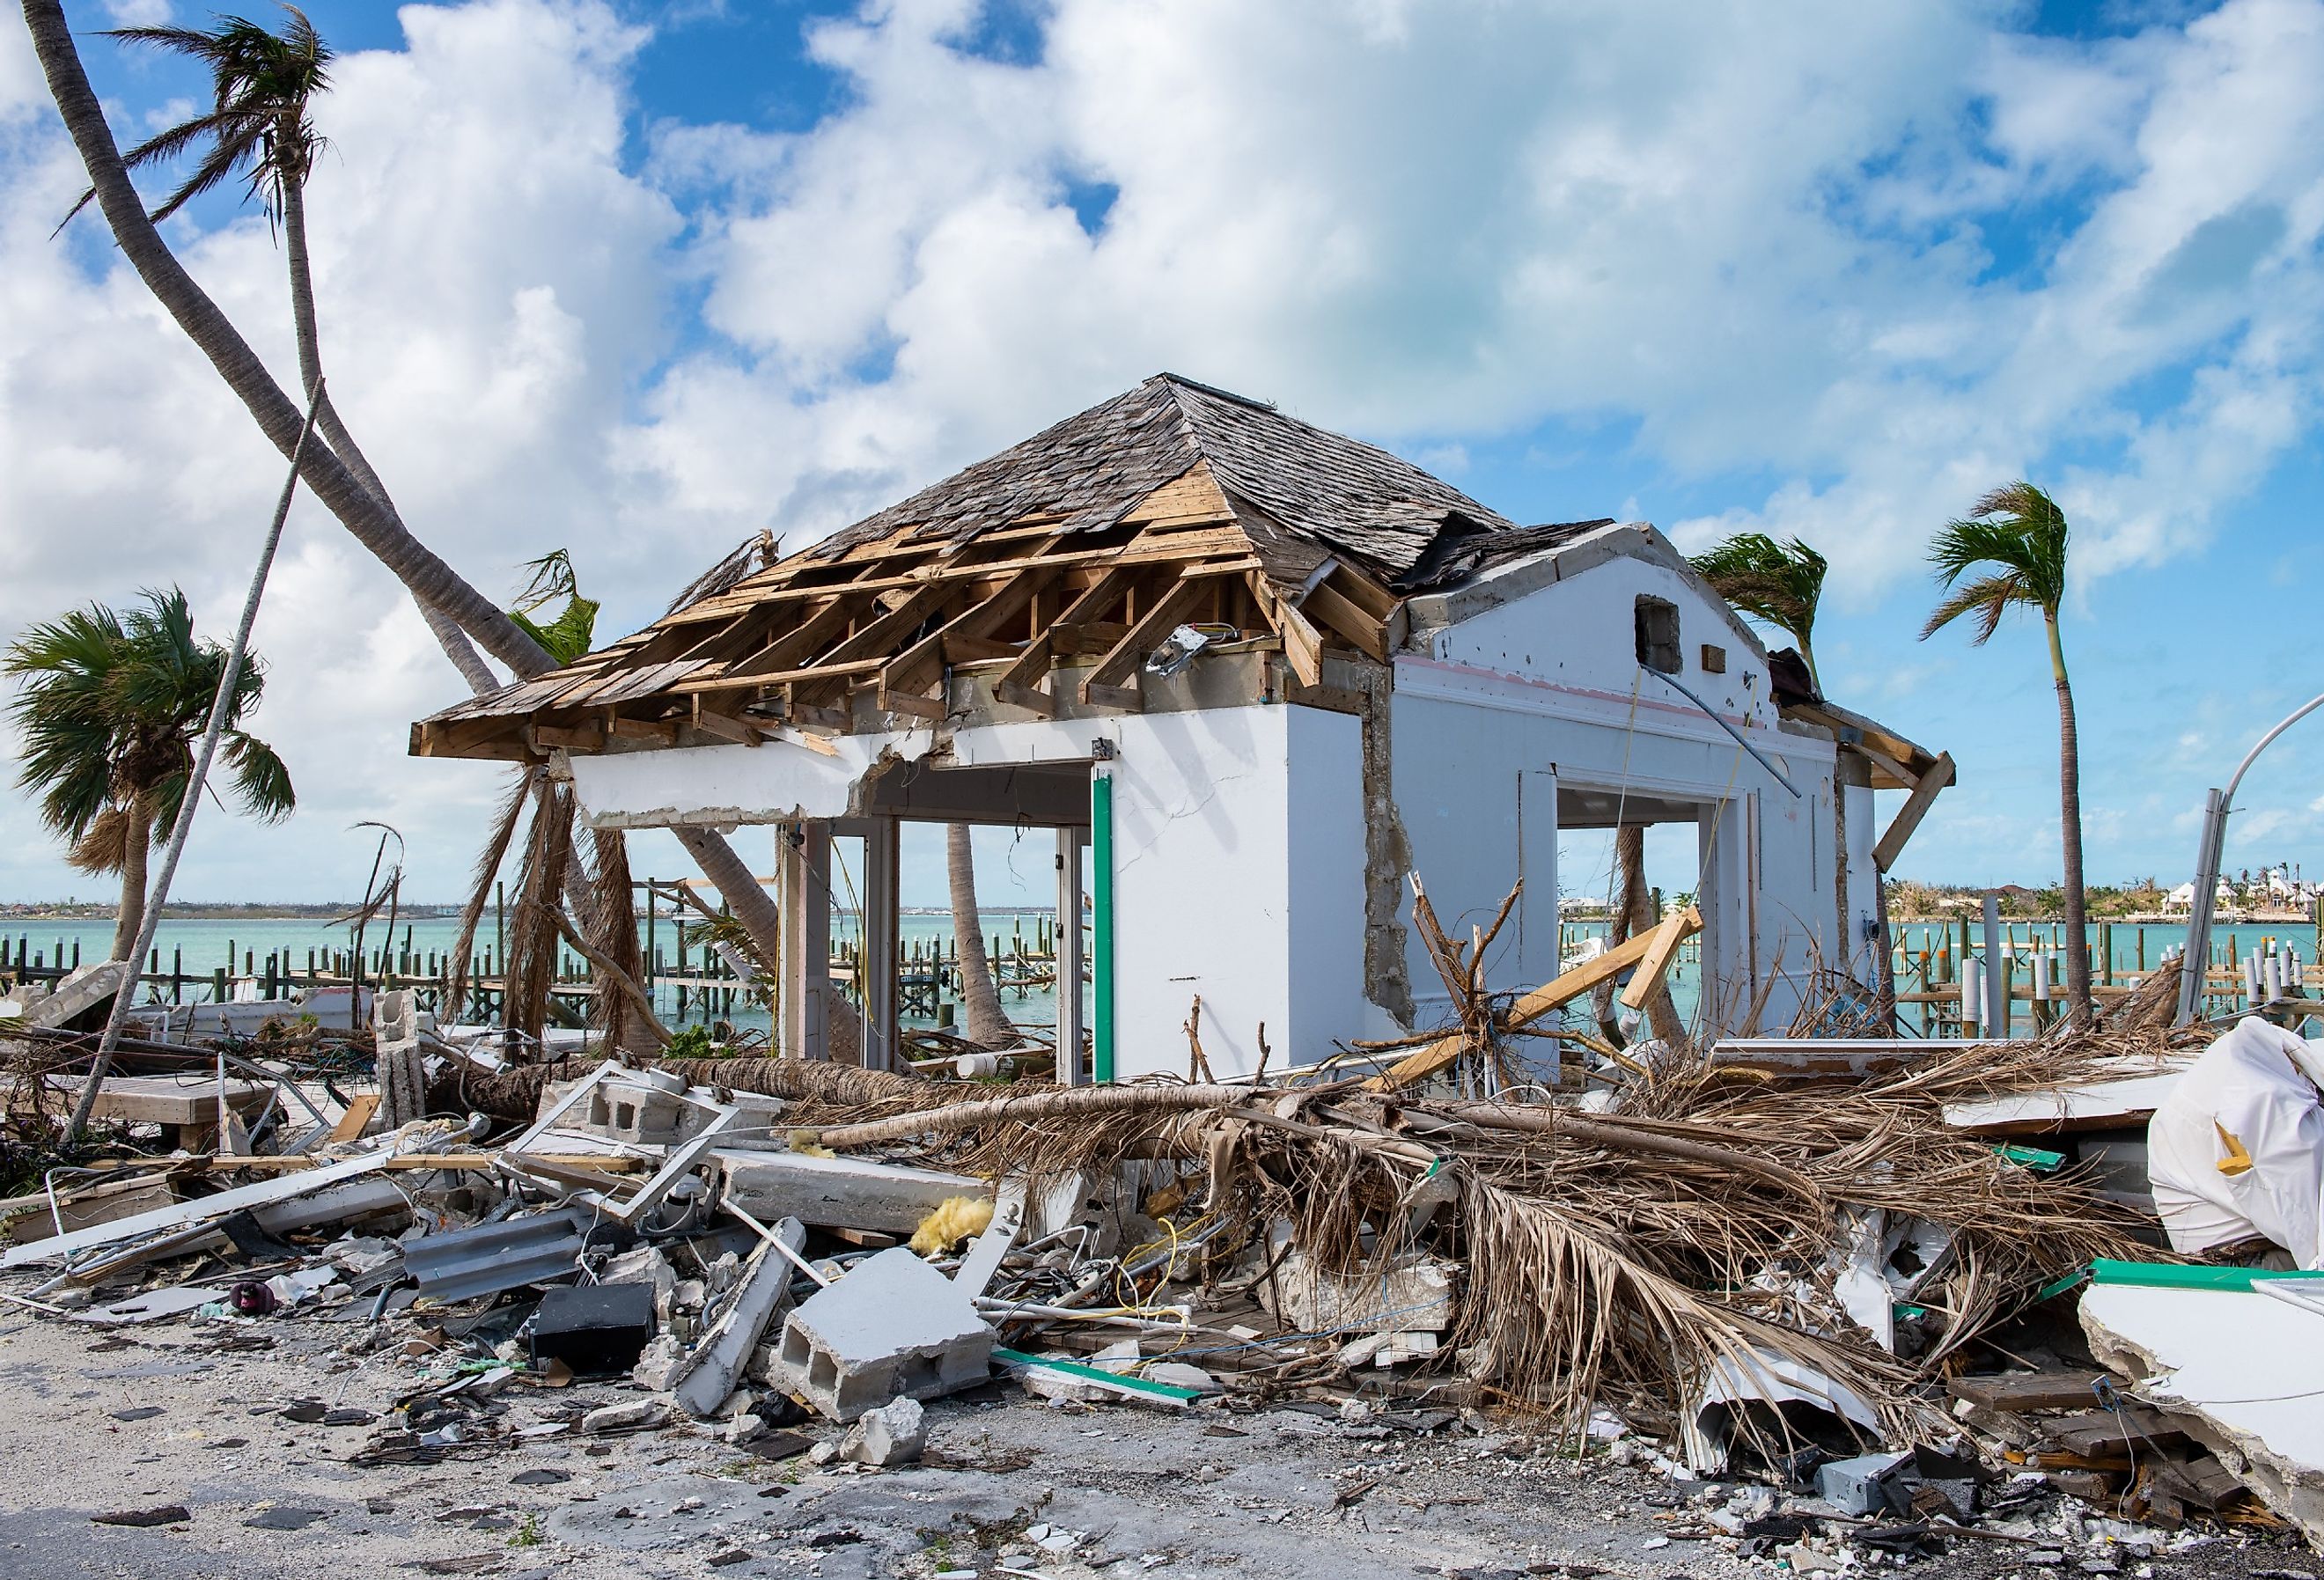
(751, 1296)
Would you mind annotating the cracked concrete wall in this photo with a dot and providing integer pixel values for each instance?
(1387, 855)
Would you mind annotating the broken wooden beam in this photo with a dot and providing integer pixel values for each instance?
(1662, 944)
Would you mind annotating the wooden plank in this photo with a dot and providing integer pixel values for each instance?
(912, 705)
(1127, 699)
(1330, 698)
(1365, 594)
(1909, 816)
(924, 660)
(813, 742)
(977, 650)
(803, 641)
(586, 737)
(1101, 595)
(660, 731)
(828, 671)
(1193, 494)
(1302, 644)
(1652, 965)
(1335, 609)
(1026, 697)
(360, 1108)
(1072, 638)
(1144, 634)
(2017, 1392)
(1567, 987)
(711, 722)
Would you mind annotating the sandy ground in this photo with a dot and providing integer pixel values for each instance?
(92, 1422)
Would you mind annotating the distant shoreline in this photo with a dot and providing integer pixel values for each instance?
(9, 915)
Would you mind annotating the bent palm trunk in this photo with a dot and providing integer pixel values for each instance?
(450, 604)
(428, 577)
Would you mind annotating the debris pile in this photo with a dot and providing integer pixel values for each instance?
(1744, 1264)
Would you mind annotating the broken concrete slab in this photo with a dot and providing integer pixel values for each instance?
(982, 1260)
(706, 1379)
(81, 991)
(894, 1326)
(838, 1193)
(2240, 1368)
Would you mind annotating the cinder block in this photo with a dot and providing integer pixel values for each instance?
(893, 1327)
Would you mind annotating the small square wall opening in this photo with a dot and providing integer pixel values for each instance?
(1657, 632)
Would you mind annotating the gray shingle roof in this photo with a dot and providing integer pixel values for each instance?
(1092, 468)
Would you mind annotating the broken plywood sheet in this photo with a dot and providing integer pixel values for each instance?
(2244, 1370)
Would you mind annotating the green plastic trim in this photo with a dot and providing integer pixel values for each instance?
(1099, 1374)
(2033, 1158)
(1101, 932)
(2161, 1275)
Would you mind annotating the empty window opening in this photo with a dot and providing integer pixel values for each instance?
(1657, 627)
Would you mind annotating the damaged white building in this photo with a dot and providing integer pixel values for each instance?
(1253, 674)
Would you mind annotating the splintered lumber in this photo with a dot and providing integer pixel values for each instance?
(1652, 952)
(2018, 1392)
(1916, 806)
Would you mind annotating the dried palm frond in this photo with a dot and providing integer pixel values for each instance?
(612, 928)
(480, 887)
(530, 971)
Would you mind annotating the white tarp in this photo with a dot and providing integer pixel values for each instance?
(2238, 1148)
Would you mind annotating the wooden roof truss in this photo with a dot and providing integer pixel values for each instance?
(788, 651)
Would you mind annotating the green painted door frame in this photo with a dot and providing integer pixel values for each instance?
(1100, 880)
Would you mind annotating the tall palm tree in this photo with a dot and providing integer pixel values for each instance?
(455, 609)
(2010, 553)
(111, 706)
(1777, 583)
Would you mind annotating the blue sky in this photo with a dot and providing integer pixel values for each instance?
(644, 280)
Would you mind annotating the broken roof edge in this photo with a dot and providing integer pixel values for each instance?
(1502, 583)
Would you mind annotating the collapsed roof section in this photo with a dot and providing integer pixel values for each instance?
(1049, 570)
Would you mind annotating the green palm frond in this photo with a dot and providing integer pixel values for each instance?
(568, 637)
(110, 707)
(1780, 584)
(260, 779)
(261, 86)
(2010, 552)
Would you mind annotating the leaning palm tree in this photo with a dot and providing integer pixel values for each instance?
(455, 609)
(111, 707)
(1777, 583)
(2010, 553)
(257, 130)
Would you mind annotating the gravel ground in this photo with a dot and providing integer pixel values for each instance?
(176, 1414)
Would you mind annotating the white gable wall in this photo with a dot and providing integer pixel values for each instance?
(1548, 684)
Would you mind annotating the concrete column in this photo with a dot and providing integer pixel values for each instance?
(1069, 955)
(806, 871)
